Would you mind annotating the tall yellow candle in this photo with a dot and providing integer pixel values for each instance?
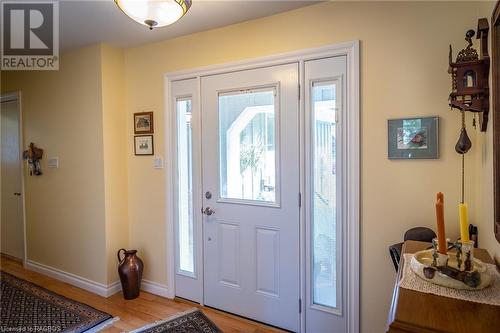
(464, 222)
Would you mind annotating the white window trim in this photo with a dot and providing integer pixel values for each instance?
(351, 51)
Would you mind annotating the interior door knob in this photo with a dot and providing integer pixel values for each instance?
(208, 211)
(17, 193)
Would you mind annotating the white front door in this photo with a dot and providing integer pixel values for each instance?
(250, 126)
(11, 182)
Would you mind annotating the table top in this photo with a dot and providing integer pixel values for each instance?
(417, 312)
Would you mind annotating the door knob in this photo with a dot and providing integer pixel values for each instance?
(17, 193)
(208, 211)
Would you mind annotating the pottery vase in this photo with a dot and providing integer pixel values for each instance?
(130, 269)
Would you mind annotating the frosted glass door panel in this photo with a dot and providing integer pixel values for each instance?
(247, 131)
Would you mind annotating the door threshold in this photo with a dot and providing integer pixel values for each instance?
(229, 314)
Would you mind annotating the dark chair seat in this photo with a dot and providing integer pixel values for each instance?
(421, 234)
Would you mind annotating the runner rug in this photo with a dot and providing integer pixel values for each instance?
(191, 321)
(26, 307)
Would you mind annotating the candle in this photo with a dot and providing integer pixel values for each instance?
(442, 245)
(464, 222)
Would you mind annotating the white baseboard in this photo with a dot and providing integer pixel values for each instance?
(100, 289)
(113, 288)
(155, 288)
(92, 286)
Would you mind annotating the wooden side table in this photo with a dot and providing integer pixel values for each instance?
(416, 312)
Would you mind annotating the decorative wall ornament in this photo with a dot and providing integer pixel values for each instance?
(33, 155)
(470, 92)
(470, 75)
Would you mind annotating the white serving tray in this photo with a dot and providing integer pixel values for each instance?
(423, 259)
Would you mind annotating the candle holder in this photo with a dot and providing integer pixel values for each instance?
(439, 259)
(465, 255)
(456, 269)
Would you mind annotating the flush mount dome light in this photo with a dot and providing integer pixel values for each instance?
(154, 13)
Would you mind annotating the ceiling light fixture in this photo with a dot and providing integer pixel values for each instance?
(154, 13)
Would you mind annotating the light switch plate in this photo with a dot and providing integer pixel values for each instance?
(158, 162)
(53, 162)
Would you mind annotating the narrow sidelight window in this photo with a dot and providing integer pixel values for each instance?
(324, 194)
(185, 186)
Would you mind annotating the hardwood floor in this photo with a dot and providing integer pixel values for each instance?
(133, 314)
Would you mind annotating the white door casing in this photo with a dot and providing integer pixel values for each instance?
(350, 190)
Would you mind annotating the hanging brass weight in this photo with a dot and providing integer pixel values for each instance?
(463, 144)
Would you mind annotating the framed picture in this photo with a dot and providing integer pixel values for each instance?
(143, 123)
(413, 138)
(144, 145)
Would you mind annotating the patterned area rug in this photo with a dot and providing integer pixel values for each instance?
(26, 307)
(191, 321)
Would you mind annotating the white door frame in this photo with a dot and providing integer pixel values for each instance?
(351, 51)
(10, 97)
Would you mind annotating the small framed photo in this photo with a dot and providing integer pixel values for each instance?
(413, 138)
(144, 145)
(143, 123)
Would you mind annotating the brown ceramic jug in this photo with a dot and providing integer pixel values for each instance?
(130, 271)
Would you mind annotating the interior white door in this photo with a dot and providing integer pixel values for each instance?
(251, 193)
(325, 109)
(11, 181)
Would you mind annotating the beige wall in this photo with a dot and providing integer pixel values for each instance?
(65, 207)
(404, 61)
(77, 214)
(115, 154)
